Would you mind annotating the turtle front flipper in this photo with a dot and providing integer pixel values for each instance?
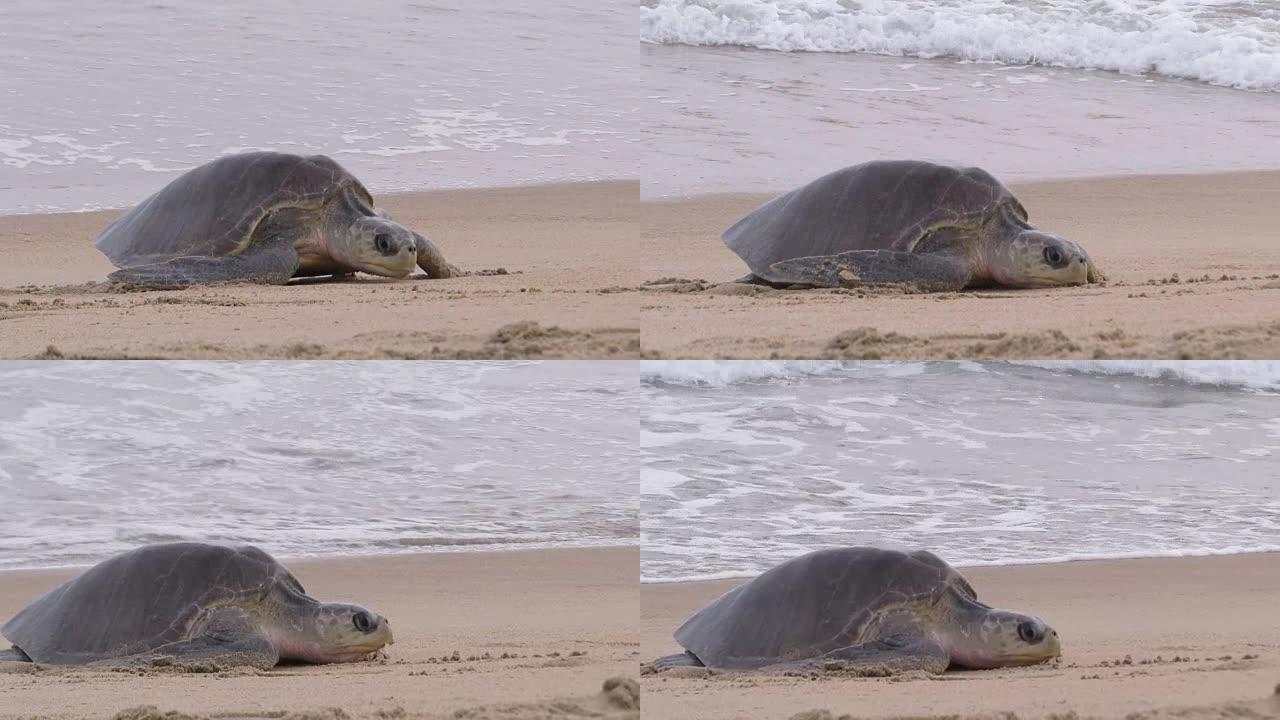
(229, 639)
(431, 261)
(882, 657)
(858, 268)
(266, 264)
(217, 653)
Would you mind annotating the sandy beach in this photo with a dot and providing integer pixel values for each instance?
(565, 619)
(570, 289)
(1192, 265)
(1187, 637)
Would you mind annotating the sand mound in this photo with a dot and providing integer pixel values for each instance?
(618, 699)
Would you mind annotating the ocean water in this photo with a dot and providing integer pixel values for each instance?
(746, 464)
(101, 107)
(308, 459)
(765, 95)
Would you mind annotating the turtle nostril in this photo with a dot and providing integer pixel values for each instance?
(412, 249)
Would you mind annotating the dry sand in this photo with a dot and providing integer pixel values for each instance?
(1187, 637)
(570, 250)
(1142, 231)
(566, 619)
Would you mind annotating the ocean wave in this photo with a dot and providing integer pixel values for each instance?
(1234, 43)
(1253, 375)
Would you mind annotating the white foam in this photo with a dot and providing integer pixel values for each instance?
(80, 441)
(1195, 39)
(728, 372)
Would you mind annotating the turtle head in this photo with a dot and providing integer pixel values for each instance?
(989, 638)
(1033, 259)
(379, 246)
(335, 632)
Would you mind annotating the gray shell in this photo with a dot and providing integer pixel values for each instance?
(136, 602)
(812, 605)
(883, 205)
(213, 210)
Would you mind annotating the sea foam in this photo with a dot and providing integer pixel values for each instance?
(1236, 44)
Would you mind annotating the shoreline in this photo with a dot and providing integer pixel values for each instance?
(553, 276)
(564, 617)
(1176, 287)
(1128, 647)
(285, 558)
(1003, 564)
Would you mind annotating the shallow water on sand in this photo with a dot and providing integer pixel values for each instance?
(729, 119)
(102, 107)
(747, 464)
(314, 458)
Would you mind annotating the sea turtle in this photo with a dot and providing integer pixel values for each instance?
(262, 217)
(190, 602)
(904, 223)
(859, 608)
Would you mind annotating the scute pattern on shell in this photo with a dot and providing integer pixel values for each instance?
(810, 605)
(140, 600)
(212, 210)
(882, 205)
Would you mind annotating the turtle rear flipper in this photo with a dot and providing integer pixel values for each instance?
(753, 279)
(267, 264)
(858, 268)
(881, 657)
(14, 654)
(684, 659)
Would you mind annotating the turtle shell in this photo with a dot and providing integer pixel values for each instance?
(883, 205)
(213, 210)
(136, 602)
(812, 605)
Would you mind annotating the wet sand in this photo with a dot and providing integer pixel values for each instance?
(1192, 264)
(569, 251)
(1166, 636)
(565, 618)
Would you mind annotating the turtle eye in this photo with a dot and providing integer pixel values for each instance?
(382, 241)
(1053, 256)
(1028, 632)
(362, 621)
